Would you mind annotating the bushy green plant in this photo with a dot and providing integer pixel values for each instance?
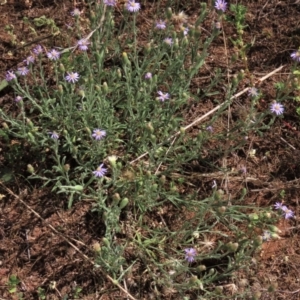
(104, 120)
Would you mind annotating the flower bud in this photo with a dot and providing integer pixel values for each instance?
(88, 130)
(253, 217)
(211, 271)
(106, 242)
(96, 247)
(195, 281)
(169, 13)
(274, 229)
(201, 268)
(112, 23)
(174, 189)
(113, 160)
(4, 125)
(126, 60)
(92, 15)
(232, 246)
(124, 203)
(241, 75)
(31, 137)
(66, 167)
(148, 48)
(97, 88)
(154, 186)
(176, 44)
(275, 236)
(75, 150)
(60, 89)
(222, 209)
(182, 130)
(219, 194)
(267, 215)
(81, 92)
(30, 169)
(62, 67)
(163, 179)
(219, 290)
(77, 187)
(29, 123)
(150, 127)
(235, 80)
(116, 198)
(119, 73)
(105, 87)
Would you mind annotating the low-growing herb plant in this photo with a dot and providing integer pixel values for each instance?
(103, 119)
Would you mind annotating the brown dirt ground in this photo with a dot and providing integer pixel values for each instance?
(38, 256)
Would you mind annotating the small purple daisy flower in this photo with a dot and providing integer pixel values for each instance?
(54, 135)
(69, 26)
(163, 96)
(288, 213)
(253, 92)
(243, 170)
(185, 31)
(168, 41)
(72, 77)
(190, 254)
(29, 60)
(277, 108)
(296, 56)
(76, 12)
(133, 6)
(18, 99)
(38, 50)
(10, 76)
(53, 54)
(100, 172)
(110, 2)
(23, 71)
(160, 25)
(148, 75)
(83, 44)
(221, 5)
(278, 205)
(210, 129)
(98, 134)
